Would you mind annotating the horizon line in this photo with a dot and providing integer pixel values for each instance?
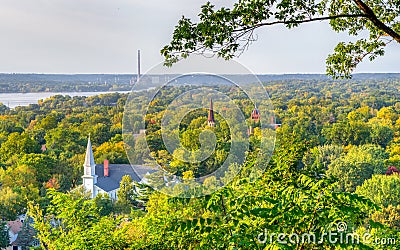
(108, 73)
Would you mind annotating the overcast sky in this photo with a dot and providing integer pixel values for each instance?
(102, 36)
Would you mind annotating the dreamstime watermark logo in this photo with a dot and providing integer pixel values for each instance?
(338, 235)
(193, 118)
(341, 226)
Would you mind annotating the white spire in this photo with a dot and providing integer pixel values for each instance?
(89, 158)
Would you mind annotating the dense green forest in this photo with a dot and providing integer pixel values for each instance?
(336, 158)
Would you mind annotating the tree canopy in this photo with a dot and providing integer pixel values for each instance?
(293, 195)
(228, 31)
(4, 238)
(383, 190)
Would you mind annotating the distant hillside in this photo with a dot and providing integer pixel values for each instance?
(24, 83)
(63, 83)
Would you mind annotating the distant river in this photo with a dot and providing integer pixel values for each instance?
(13, 100)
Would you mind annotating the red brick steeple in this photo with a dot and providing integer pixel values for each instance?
(255, 114)
(255, 118)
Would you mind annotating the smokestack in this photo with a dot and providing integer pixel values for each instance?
(106, 168)
(138, 65)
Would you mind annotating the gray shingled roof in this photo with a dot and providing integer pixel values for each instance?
(115, 174)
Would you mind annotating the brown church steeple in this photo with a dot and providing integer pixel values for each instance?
(210, 120)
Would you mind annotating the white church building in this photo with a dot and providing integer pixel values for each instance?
(105, 178)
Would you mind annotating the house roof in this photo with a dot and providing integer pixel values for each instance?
(116, 172)
(15, 226)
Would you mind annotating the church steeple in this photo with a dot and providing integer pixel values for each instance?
(255, 114)
(89, 159)
(254, 119)
(89, 173)
(210, 120)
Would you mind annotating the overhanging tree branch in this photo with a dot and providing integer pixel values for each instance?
(369, 13)
(303, 21)
(223, 31)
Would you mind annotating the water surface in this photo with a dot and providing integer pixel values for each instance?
(13, 100)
